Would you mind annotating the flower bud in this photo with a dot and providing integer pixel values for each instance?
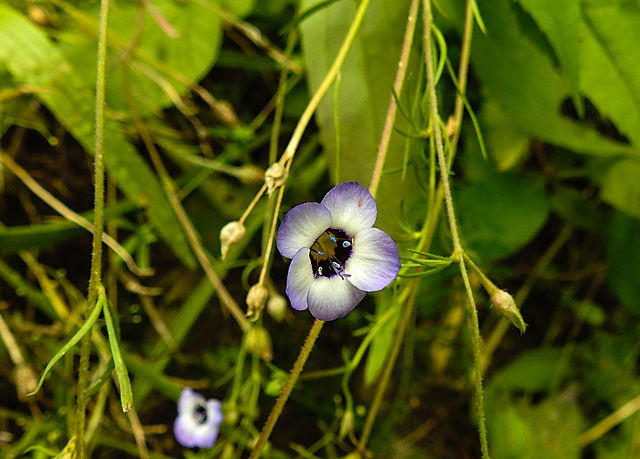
(275, 176)
(230, 235)
(346, 424)
(504, 305)
(277, 307)
(259, 343)
(256, 299)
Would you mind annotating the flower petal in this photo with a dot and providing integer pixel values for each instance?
(191, 434)
(301, 226)
(189, 400)
(299, 280)
(188, 429)
(352, 207)
(374, 260)
(332, 298)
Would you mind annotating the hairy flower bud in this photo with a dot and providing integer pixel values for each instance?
(275, 176)
(504, 305)
(256, 299)
(230, 235)
(259, 343)
(277, 307)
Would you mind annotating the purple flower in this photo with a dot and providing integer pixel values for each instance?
(198, 420)
(336, 254)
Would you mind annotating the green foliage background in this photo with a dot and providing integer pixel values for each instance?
(546, 186)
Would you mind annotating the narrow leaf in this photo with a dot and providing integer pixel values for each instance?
(91, 320)
(126, 396)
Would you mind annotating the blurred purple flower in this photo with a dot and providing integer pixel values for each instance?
(336, 254)
(198, 420)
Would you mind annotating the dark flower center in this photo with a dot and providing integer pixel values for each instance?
(330, 252)
(200, 413)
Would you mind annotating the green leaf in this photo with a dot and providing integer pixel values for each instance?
(560, 23)
(182, 37)
(365, 91)
(91, 320)
(522, 79)
(33, 59)
(501, 213)
(610, 58)
(623, 256)
(126, 396)
(383, 339)
(621, 186)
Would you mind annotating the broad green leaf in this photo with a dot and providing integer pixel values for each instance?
(519, 76)
(86, 328)
(560, 23)
(609, 61)
(126, 396)
(623, 255)
(33, 59)
(507, 145)
(500, 214)
(525, 430)
(364, 93)
(182, 36)
(240, 8)
(621, 186)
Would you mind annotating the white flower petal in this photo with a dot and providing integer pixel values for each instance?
(352, 207)
(332, 298)
(374, 260)
(188, 428)
(299, 280)
(301, 226)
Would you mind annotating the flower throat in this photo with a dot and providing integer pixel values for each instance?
(330, 252)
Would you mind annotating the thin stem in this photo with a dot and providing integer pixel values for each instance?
(397, 88)
(457, 247)
(95, 279)
(286, 391)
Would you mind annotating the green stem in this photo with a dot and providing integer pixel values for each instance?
(457, 247)
(95, 279)
(288, 387)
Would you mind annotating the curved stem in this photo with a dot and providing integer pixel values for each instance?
(288, 387)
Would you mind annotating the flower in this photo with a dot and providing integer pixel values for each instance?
(337, 255)
(198, 420)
